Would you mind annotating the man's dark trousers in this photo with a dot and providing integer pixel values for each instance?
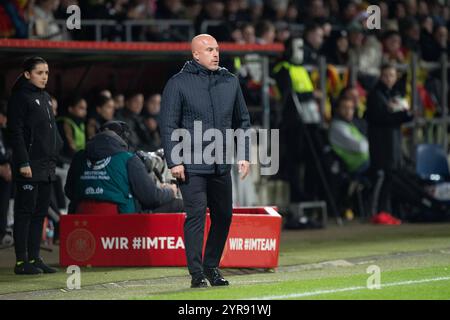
(215, 192)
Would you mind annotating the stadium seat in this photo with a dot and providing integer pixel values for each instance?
(431, 163)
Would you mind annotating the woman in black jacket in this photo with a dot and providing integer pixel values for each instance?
(35, 142)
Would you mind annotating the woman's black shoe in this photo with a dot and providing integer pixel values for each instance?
(23, 267)
(38, 263)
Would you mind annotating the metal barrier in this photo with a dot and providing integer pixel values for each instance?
(126, 24)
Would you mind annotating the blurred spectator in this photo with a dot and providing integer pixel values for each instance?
(276, 9)
(43, 20)
(299, 123)
(426, 35)
(54, 106)
(292, 15)
(150, 114)
(313, 41)
(106, 93)
(265, 32)
(386, 111)
(338, 49)
(5, 179)
(437, 45)
(130, 114)
(104, 112)
(357, 94)
(349, 12)
(72, 127)
(256, 10)
(347, 140)
(13, 22)
(236, 36)
(152, 105)
(192, 9)
(169, 9)
(119, 101)
(234, 13)
(410, 30)
(248, 33)
(282, 33)
(317, 11)
(139, 9)
(213, 10)
(365, 54)
(392, 45)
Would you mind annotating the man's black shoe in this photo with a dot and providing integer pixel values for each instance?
(199, 282)
(23, 267)
(38, 263)
(214, 277)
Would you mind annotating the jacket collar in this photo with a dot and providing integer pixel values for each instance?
(193, 66)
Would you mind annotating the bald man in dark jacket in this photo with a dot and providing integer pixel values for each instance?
(206, 94)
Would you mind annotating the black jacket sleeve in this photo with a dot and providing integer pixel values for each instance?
(17, 111)
(170, 118)
(74, 173)
(143, 188)
(241, 120)
(378, 112)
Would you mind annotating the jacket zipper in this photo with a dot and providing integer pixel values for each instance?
(214, 116)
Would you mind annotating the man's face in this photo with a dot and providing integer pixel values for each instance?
(389, 77)
(79, 110)
(205, 51)
(107, 110)
(347, 110)
(136, 103)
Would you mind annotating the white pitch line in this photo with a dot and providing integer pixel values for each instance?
(320, 292)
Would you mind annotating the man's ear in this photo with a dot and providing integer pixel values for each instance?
(27, 75)
(195, 55)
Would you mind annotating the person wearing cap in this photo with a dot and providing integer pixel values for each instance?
(107, 172)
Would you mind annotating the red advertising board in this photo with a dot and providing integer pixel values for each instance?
(157, 239)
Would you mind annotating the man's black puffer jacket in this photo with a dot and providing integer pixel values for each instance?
(212, 97)
(32, 132)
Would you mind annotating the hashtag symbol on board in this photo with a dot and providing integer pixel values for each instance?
(137, 243)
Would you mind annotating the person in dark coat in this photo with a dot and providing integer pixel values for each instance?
(6, 239)
(36, 143)
(204, 94)
(386, 112)
(129, 185)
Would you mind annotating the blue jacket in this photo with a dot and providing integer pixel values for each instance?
(212, 97)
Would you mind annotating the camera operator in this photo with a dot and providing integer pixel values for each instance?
(106, 172)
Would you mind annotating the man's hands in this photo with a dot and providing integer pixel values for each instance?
(26, 172)
(178, 172)
(244, 168)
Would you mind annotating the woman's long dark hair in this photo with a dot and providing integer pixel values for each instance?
(27, 66)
